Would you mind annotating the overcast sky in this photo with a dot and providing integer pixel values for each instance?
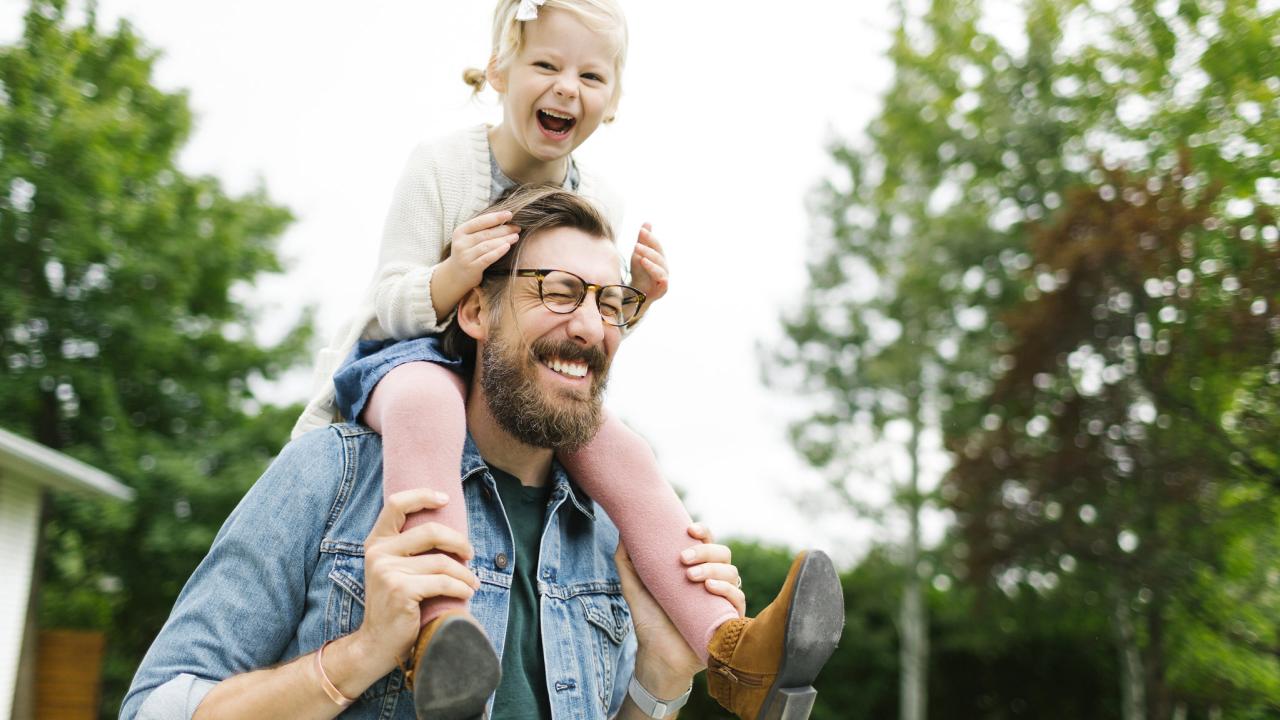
(727, 111)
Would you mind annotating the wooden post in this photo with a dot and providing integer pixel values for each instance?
(69, 674)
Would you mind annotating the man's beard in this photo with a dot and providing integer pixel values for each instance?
(521, 405)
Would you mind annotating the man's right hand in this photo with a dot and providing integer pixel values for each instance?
(398, 576)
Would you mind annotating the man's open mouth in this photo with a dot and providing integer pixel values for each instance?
(568, 368)
(570, 360)
(556, 123)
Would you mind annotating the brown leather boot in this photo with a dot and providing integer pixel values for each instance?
(763, 668)
(453, 669)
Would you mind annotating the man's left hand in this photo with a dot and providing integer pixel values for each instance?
(662, 652)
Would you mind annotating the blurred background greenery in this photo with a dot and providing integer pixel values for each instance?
(1055, 248)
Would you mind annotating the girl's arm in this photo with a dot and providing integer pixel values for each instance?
(412, 245)
(416, 289)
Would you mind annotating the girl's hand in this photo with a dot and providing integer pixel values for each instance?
(649, 266)
(474, 246)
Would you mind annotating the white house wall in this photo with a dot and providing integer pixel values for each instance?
(19, 521)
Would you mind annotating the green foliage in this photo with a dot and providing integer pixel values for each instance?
(121, 331)
(1063, 235)
(993, 657)
(1031, 654)
(1115, 441)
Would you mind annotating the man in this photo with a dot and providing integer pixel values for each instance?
(311, 559)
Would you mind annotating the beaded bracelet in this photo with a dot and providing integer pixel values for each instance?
(329, 688)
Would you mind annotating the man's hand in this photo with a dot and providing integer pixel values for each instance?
(649, 272)
(396, 579)
(665, 664)
(398, 576)
(712, 565)
(474, 246)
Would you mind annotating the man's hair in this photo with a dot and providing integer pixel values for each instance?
(534, 208)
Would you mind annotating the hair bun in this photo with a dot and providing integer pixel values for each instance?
(474, 77)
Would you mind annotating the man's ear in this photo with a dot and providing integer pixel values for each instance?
(472, 315)
(496, 77)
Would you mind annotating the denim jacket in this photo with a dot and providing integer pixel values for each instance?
(286, 573)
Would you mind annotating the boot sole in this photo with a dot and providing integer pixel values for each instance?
(460, 672)
(815, 621)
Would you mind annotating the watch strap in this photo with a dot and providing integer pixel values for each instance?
(652, 706)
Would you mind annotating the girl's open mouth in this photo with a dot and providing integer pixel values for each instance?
(555, 123)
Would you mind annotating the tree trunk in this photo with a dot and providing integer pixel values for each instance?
(1159, 698)
(1133, 692)
(913, 624)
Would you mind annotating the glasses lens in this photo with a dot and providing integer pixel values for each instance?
(619, 304)
(561, 291)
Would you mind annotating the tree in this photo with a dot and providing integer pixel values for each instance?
(1126, 433)
(921, 245)
(121, 331)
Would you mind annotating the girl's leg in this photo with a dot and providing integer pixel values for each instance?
(418, 408)
(619, 471)
(756, 667)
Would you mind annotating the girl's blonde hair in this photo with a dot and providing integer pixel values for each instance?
(601, 16)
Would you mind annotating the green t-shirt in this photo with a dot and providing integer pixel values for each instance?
(522, 694)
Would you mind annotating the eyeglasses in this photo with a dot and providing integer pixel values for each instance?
(562, 292)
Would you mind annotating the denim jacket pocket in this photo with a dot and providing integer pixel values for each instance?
(611, 619)
(345, 613)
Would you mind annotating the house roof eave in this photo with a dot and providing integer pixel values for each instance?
(31, 460)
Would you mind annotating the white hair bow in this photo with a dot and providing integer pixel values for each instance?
(529, 9)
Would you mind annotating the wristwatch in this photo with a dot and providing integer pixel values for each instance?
(652, 706)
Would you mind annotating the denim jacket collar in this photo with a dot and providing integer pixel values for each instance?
(561, 485)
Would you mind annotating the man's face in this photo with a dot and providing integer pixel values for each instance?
(543, 373)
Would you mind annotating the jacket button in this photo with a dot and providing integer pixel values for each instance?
(501, 561)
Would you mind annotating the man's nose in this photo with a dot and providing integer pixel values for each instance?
(585, 324)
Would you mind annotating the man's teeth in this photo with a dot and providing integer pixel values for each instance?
(572, 369)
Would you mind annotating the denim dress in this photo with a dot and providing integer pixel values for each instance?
(371, 360)
(286, 573)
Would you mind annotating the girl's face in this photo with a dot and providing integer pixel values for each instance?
(558, 88)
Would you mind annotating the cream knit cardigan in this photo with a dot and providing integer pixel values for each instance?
(445, 183)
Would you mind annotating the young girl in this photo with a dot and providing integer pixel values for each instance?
(557, 66)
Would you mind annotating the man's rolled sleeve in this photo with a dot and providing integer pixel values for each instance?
(177, 698)
(241, 608)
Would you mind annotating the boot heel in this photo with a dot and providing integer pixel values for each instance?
(455, 672)
(791, 704)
